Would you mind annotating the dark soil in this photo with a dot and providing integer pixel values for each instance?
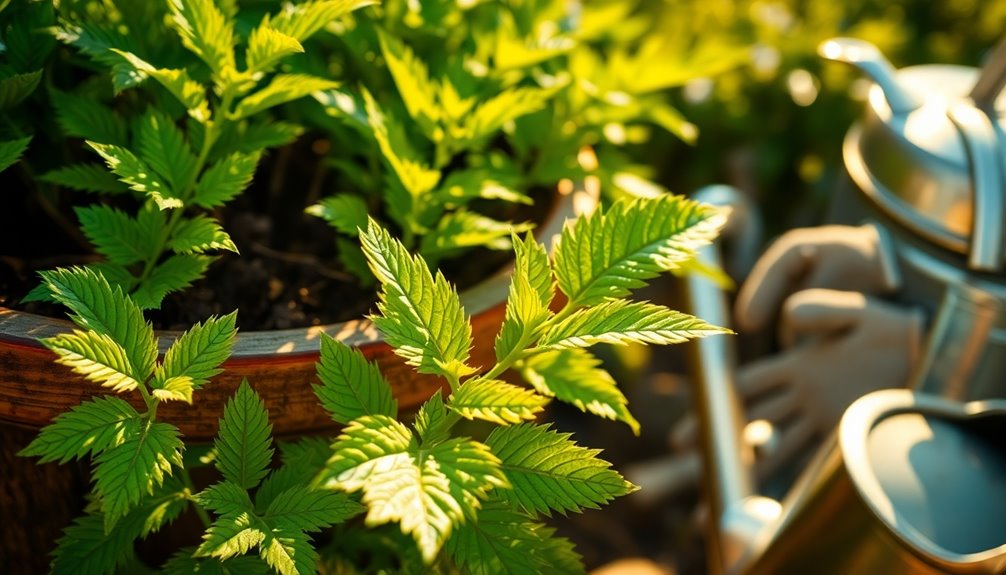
(287, 275)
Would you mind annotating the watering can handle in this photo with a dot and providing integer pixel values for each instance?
(992, 78)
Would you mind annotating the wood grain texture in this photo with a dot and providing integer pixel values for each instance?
(279, 364)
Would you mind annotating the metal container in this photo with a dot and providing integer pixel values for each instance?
(928, 163)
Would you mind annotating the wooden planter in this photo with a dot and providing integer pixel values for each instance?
(279, 364)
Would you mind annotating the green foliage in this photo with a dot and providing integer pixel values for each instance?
(243, 444)
(10, 151)
(351, 386)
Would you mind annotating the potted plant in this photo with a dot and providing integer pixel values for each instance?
(199, 119)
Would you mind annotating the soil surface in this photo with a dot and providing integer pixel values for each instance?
(287, 275)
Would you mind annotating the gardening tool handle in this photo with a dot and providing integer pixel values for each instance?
(991, 79)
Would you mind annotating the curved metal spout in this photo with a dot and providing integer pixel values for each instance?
(868, 59)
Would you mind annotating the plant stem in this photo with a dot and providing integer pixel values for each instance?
(191, 489)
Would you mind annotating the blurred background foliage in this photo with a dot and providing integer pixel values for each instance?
(772, 120)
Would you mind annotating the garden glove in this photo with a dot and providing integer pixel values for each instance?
(841, 345)
(833, 257)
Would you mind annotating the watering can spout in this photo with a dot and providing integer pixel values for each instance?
(868, 59)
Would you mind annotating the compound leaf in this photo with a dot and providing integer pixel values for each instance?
(622, 322)
(116, 235)
(137, 174)
(225, 179)
(496, 401)
(283, 88)
(200, 234)
(11, 150)
(175, 273)
(85, 177)
(310, 509)
(88, 428)
(97, 357)
(302, 20)
(162, 147)
(87, 118)
(206, 31)
(267, 46)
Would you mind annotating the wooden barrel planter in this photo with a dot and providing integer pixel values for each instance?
(279, 364)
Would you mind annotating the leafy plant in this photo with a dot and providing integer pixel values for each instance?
(196, 133)
(462, 504)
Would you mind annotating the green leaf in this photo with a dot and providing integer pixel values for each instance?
(124, 473)
(97, 306)
(162, 147)
(609, 253)
(310, 509)
(85, 177)
(531, 293)
(575, 376)
(200, 234)
(462, 229)
(496, 401)
(302, 20)
(101, 44)
(205, 31)
(243, 443)
(183, 563)
(549, 472)
(289, 552)
(86, 549)
(492, 114)
(351, 386)
(87, 118)
(421, 316)
(266, 134)
(429, 490)
(302, 461)
(431, 421)
(411, 76)
(17, 87)
(11, 150)
(225, 179)
(225, 498)
(198, 353)
(176, 273)
(345, 212)
(417, 178)
(267, 46)
(115, 235)
(88, 428)
(232, 535)
(621, 322)
(462, 186)
(97, 357)
(283, 88)
(190, 93)
(503, 540)
(137, 175)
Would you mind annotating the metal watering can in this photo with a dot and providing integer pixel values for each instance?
(913, 481)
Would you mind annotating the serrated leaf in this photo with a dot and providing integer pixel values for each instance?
(86, 549)
(88, 428)
(420, 315)
(126, 472)
(531, 291)
(432, 423)
(175, 273)
(462, 229)
(622, 322)
(267, 46)
(310, 509)
(283, 88)
(575, 376)
(351, 386)
(97, 357)
(429, 490)
(243, 442)
(302, 20)
(178, 388)
(100, 44)
(496, 401)
(302, 461)
(162, 147)
(549, 472)
(412, 77)
(137, 175)
(226, 498)
(85, 177)
(609, 253)
(505, 541)
(198, 235)
(190, 93)
(97, 306)
(11, 150)
(414, 175)
(344, 212)
(116, 235)
(225, 179)
(289, 552)
(17, 87)
(205, 31)
(265, 134)
(462, 186)
(232, 535)
(183, 563)
(493, 113)
(87, 118)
